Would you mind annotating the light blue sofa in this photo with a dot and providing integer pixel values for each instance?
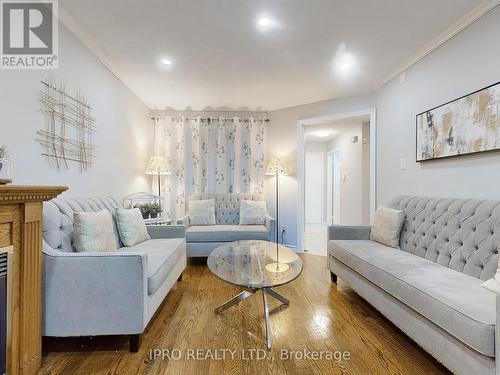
(104, 293)
(431, 287)
(202, 239)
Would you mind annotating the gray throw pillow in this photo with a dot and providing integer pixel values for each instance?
(131, 226)
(253, 212)
(94, 231)
(201, 212)
(386, 226)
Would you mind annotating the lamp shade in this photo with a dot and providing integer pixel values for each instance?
(158, 165)
(276, 166)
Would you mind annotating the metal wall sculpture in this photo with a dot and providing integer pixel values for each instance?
(69, 126)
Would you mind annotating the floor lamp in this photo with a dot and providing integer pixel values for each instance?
(158, 165)
(277, 167)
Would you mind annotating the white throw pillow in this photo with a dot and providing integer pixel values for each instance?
(94, 231)
(253, 212)
(386, 226)
(493, 284)
(131, 226)
(201, 212)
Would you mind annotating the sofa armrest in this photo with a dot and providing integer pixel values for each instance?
(349, 232)
(94, 293)
(166, 231)
(270, 223)
(497, 336)
(183, 221)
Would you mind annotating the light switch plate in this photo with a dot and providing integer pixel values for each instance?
(402, 163)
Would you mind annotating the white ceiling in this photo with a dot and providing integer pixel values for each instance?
(333, 128)
(220, 60)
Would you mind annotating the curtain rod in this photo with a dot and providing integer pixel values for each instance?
(210, 119)
(177, 111)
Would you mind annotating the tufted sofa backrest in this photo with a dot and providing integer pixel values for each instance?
(462, 234)
(58, 218)
(227, 205)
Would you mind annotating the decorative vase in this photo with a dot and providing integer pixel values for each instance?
(145, 215)
(153, 216)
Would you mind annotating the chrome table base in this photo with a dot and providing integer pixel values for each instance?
(247, 293)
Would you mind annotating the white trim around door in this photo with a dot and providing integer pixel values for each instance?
(333, 187)
(301, 124)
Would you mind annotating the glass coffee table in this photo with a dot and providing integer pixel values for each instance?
(254, 266)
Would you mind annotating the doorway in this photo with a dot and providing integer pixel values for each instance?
(314, 188)
(315, 196)
(336, 175)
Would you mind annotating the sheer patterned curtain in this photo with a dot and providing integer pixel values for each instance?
(215, 155)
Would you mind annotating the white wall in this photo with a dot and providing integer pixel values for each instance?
(123, 136)
(466, 63)
(315, 146)
(282, 142)
(352, 180)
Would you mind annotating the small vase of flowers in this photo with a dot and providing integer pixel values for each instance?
(5, 165)
(154, 210)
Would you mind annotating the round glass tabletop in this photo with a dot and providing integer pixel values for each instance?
(254, 264)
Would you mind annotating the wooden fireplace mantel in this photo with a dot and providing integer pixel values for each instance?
(21, 235)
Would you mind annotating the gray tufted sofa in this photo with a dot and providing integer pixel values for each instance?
(104, 293)
(202, 239)
(431, 287)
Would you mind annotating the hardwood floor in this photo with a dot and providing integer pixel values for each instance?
(320, 317)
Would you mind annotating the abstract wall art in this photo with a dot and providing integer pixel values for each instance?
(467, 125)
(69, 126)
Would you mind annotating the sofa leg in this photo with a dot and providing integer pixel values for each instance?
(134, 343)
(180, 277)
(333, 277)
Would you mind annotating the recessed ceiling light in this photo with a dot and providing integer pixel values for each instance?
(266, 23)
(166, 62)
(322, 133)
(345, 62)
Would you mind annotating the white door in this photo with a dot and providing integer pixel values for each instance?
(314, 188)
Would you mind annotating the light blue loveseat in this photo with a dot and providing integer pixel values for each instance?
(104, 293)
(431, 287)
(202, 239)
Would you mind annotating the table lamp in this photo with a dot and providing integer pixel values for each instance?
(277, 167)
(158, 165)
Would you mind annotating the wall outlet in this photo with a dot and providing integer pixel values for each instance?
(283, 231)
(402, 163)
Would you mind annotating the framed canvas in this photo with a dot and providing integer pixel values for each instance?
(467, 125)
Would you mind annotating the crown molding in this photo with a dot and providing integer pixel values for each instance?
(461, 24)
(69, 22)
